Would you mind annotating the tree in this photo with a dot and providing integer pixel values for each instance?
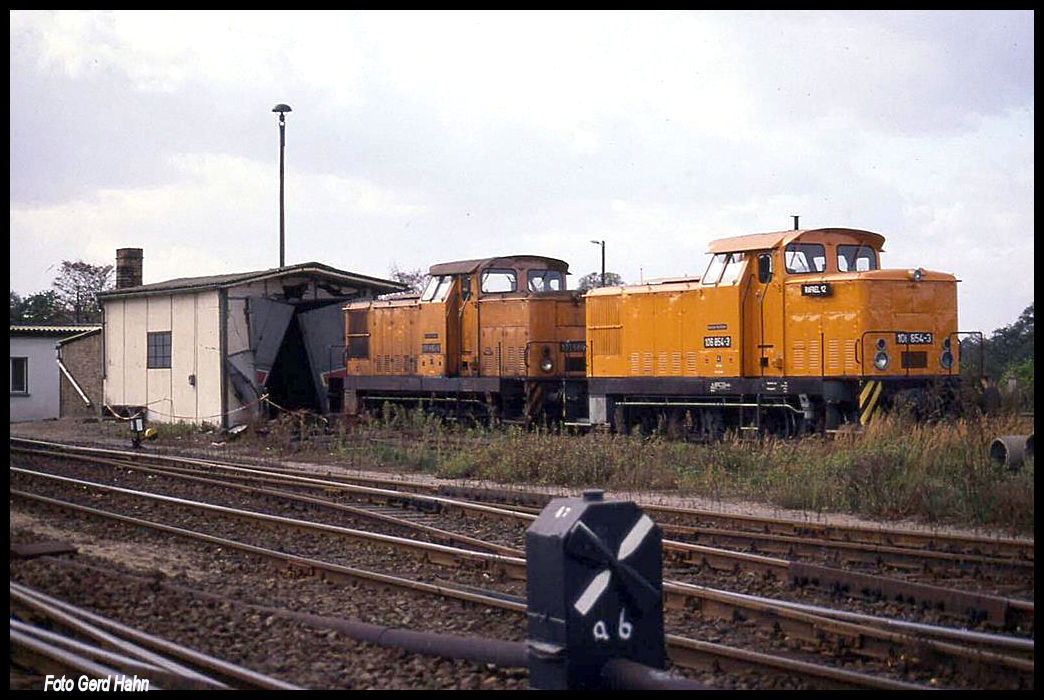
(77, 286)
(593, 280)
(42, 307)
(415, 279)
(1007, 351)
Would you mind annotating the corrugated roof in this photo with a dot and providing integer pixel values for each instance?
(42, 329)
(185, 284)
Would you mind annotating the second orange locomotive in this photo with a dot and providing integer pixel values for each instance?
(786, 331)
(499, 336)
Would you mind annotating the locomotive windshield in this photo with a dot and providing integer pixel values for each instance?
(723, 269)
(545, 281)
(498, 280)
(805, 257)
(856, 258)
(437, 288)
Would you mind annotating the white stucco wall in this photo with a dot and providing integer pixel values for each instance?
(42, 400)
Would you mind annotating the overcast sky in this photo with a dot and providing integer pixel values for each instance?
(418, 138)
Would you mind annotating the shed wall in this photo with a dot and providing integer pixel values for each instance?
(41, 402)
(190, 389)
(83, 358)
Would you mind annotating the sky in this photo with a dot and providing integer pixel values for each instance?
(417, 138)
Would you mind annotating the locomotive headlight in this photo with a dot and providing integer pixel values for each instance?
(946, 359)
(881, 360)
(545, 360)
(917, 274)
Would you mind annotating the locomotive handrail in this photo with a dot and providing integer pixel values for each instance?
(982, 348)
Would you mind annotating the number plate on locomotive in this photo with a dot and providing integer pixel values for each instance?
(572, 346)
(819, 289)
(717, 341)
(903, 338)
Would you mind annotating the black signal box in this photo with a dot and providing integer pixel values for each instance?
(594, 580)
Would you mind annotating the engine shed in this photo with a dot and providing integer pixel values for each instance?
(224, 349)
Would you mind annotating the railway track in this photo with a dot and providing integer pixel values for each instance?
(802, 626)
(998, 611)
(98, 647)
(686, 652)
(768, 534)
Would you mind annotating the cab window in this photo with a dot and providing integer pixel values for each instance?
(805, 257)
(437, 288)
(856, 258)
(494, 280)
(723, 269)
(545, 281)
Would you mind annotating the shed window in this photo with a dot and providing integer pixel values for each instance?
(19, 375)
(159, 350)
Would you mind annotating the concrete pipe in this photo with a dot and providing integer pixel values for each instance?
(1009, 451)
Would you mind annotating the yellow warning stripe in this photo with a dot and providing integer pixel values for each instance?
(868, 386)
(868, 397)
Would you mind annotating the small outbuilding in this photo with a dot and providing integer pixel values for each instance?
(41, 380)
(227, 348)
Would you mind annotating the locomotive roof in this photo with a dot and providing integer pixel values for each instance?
(764, 241)
(466, 267)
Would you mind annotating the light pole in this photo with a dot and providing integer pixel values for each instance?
(602, 243)
(282, 109)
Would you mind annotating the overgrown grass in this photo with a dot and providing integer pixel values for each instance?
(939, 472)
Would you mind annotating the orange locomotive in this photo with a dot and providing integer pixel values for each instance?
(500, 337)
(785, 331)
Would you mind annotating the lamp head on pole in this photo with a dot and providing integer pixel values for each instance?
(282, 109)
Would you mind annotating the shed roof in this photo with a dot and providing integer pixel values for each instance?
(53, 330)
(192, 284)
(765, 241)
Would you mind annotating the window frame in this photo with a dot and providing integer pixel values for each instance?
(498, 271)
(806, 250)
(438, 289)
(554, 276)
(358, 335)
(858, 248)
(721, 263)
(24, 361)
(155, 353)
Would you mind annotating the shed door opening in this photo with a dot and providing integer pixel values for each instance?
(290, 384)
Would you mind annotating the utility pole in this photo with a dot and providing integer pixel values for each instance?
(282, 110)
(602, 243)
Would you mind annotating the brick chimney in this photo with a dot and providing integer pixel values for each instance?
(128, 267)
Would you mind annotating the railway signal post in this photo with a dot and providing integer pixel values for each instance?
(594, 579)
